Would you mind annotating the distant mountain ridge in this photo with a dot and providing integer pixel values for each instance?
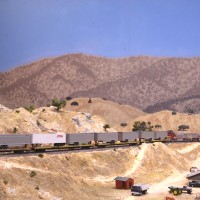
(148, 83)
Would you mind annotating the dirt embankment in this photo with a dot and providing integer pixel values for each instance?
(48, 120)
(89, 175)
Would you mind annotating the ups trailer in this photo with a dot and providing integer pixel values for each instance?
(106, 137)
(128, 136)
(79, 138)
(12, 140)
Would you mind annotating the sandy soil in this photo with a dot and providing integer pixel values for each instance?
(167, 121)
(48, 120)
(90, 175)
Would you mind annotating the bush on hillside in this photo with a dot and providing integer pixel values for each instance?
(123, 124)
(58, 103)
(30, 108)
(106, 126)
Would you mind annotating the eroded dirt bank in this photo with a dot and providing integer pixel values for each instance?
(89, 175)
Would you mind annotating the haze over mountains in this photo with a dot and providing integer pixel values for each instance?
(147, 83)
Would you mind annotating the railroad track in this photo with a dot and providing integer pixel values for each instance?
(32, 153)
(74, 149)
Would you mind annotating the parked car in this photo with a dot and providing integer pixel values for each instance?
(194, 184)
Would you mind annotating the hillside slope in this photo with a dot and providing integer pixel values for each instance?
(60, 176)
(48, 120)
(149, 83)
(113, 113)
(167, 121)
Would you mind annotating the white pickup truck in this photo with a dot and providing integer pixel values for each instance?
(139, 189)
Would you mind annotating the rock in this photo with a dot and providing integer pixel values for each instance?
(4, 109)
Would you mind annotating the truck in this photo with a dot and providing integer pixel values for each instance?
(180, 190)
(139, 189)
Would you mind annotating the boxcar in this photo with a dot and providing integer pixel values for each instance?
(9, 140)
(79, 138)
(106, 137)
(128, 136)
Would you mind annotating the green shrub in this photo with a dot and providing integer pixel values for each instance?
(37, 187)
(106, 126)
(38, 123)
(41, 155)
(5, 181)
(58, 103)
(123, 124)
(68, 98)
(43, 110)
(17, 111)
(32, 174)
(15, 130)
(30, 108)
(173, 112)
(67, 158)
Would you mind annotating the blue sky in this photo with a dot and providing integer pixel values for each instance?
(34, 29)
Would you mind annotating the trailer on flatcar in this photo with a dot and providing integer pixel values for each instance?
(15, 140)
(79, 138)
(58, 139)
(128, 136)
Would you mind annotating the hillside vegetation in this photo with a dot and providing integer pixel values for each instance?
(167, 121)
(148, 83)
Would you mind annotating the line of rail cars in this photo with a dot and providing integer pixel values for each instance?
(95, 139)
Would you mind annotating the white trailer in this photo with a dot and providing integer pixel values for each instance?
(51, 138)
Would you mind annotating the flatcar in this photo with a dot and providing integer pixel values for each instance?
(60, 139)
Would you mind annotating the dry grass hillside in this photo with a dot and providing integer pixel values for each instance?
(113, 113)
(149, 83)
(89, 175)
(47, 120)
(167, 121)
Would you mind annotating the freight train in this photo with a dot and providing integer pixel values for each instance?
(87, 140)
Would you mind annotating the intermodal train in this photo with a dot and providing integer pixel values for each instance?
(34, 141)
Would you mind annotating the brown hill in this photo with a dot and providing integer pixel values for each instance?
(149, 83)
(167, 121)
(113, 113)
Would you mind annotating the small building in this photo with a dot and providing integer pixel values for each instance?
(194, 176)
(169, 198)
(123, 182)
